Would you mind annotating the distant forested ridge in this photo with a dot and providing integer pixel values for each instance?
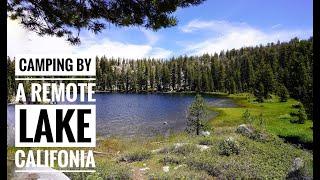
(261, 70)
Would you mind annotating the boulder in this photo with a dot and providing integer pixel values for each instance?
(297, 164)
(165, 168)
(297, 171)
(202, 147)
(144, 169)
(245, 130)
(205, 133)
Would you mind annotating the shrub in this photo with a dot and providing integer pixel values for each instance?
(247, 117)
(261, 121)
(179, 174)
(297, 105)
(283, 93)
(206, 141)
(171, 160)
(229, 146)
(204, 165)
(185, 149)
(299, 117)
(93, 177)
(139, 155)
(105, 170)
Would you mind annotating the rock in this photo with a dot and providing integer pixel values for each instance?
(177, 145)
(156, 150)
(144, 169)
(297, 170)
(165, 168)
(10, 136)
(179, 166)
(298, 163)
(202, 147)
(205, 133)
(245, 130)
(250, 132)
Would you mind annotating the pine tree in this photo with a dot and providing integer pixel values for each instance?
(283, 93)
(196, 116)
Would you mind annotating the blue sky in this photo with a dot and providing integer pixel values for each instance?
(210, 27)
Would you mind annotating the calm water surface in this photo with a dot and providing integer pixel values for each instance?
(141, 114)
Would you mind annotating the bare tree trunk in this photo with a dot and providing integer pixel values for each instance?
(198, 128)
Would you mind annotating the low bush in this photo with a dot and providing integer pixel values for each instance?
(138, 155)
(229, 146)
(299, 117)
(105, 170)
(206, 141)
(181, 173)
(297, 105)
(204, 165)
(171, 160)
(185, 149)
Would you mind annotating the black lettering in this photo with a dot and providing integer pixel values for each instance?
(64, 124)
(82, 125)
(88, 63)
(43, 119)
(23, 126)
(80, 64)
(22, 60)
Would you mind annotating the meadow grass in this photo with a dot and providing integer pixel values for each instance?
(275, 114)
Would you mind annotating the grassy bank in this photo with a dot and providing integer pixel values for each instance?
(224, 154)
(276, 115)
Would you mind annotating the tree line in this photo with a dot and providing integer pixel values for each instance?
(277, 68)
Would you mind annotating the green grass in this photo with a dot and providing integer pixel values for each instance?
(273, 112)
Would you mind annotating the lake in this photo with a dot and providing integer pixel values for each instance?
(141, 114)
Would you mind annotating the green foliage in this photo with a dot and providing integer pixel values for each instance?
(297, 105)
(72, 16)
(169, 159)
(229, 146)
(259, 92)
(138, 155)
(262, 71)
(196, 116)
(261, 121)
(185, 149)
(181, 173)
(247, 117)
(206, 141)
(93, 177)
(105, 169)
(299, 116)
(283, 93)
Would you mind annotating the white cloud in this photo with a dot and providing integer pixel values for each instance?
(151, 36)
(233, 35)
(276, 26)
(123, 50)
(218, 26)
(22, 41)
